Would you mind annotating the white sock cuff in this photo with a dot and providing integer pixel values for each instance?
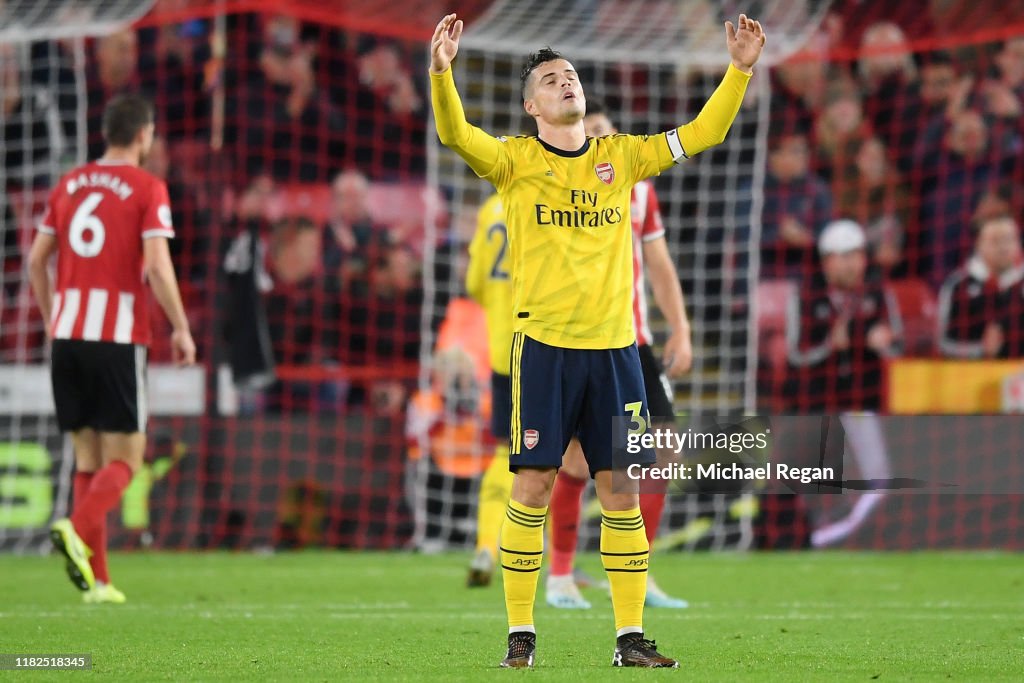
(629, 629)
(523, 629)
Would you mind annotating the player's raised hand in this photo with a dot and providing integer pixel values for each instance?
(183, 349)
(744, 42)
(445, 43)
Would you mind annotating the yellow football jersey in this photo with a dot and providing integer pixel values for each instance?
(570, 240)
(489, 281)
(567, 212)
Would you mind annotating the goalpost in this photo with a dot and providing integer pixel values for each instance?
(653, 63)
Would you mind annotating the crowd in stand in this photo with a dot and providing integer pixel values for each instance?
(303, 106)
(890, 167)
(892, 172)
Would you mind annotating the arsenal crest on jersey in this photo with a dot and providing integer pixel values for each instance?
(530, 438)
(606, 172)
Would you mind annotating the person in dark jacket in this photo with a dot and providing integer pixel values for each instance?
(981, 304)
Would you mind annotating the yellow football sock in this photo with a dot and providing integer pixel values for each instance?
(624, 553)
(495, 490)
(522, 545)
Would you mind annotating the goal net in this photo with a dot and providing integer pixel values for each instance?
(342, 395)
(652, 64)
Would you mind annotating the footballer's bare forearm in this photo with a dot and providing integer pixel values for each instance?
(39, 255)
(42, 289)
(160, 273)
(480, 150)
(668, 293)
(165, 288)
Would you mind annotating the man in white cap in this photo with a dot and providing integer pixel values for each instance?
(838, 329)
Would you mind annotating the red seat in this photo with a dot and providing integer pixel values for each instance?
(917, 308)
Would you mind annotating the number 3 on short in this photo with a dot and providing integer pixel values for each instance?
(635, 409)
(84, 220)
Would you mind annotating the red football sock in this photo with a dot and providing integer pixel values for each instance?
(652, 502)
(89, 517)
(564, 509)
(98, 561)
(81, 486)
(82, 483)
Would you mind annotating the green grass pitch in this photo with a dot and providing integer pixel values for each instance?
(396, 616)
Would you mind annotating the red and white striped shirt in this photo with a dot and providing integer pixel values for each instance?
(100, 213)
(647, 226)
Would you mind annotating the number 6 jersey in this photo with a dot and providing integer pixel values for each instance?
(100, 214)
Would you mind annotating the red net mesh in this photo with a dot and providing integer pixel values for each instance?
(301, 151)
(910, 124)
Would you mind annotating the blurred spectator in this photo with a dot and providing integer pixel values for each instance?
(943, 94)
(839, 130)
(1000, 98)
(38, 105)
(391, 128)
(112, 71)
(981, 304)
(383, 325)
(1010, 67)
(296, 315)
(351, 239)
(294, 264)
(797, 204)
(886, 72)
(797, 88)
(871, 192)
(839, 326)
(391, 114)
(290, 130)
(850, 21)
(249, 348)
(178, 67)
(962, 170)
(191, 212)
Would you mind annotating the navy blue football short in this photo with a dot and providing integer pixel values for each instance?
(558, 393)
(501, 405)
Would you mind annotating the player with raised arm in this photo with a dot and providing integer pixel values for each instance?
(650, 256)
(108, 222)
(489, 283)
(574, 362)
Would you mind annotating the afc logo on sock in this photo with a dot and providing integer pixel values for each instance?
(523, 562)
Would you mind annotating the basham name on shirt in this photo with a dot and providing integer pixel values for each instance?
(96, 179)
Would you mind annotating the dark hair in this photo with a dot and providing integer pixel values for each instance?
(535, 59)
(595, 107)
(123, 118)
(781, 131)
(935, 58)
